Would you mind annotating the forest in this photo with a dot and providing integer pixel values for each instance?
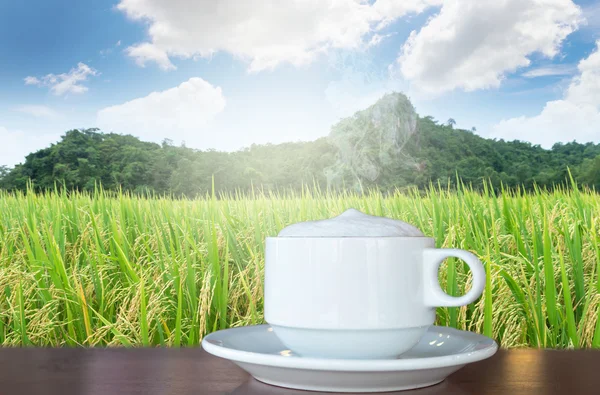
(387, 146)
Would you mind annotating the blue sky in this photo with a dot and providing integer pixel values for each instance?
(228, 74)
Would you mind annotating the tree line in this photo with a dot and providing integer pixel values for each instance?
(368, 149)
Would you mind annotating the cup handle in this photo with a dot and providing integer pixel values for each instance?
(433, 293)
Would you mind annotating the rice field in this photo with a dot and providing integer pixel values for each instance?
(106, 269)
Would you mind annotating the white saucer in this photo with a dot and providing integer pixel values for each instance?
(441, 352)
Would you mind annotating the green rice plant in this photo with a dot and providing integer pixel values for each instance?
(110, 268)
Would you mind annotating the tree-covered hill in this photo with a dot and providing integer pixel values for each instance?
(386, 145)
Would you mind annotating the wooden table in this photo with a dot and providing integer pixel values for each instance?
(31, 371)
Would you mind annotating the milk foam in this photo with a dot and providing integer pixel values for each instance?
(352, 223)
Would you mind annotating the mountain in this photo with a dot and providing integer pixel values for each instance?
(386, 145)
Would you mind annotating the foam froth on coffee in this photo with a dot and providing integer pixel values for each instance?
(352, 223)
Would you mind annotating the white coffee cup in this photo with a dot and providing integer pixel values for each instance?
(358, 297)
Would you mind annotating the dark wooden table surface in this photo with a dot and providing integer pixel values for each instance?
(65, 371)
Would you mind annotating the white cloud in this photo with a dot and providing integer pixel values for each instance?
(31, 81)
(64, 83)
(174, 113)
(575, 117)
(473, 44)
(265, 33)
(390, 10)
(17, 144)
(376, 39)
(552, 70)
(37, 111)
(146, 52)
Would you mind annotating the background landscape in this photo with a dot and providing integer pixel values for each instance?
(99, 251)
(148, 148)
(364, 151)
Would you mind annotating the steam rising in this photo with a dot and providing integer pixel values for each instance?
(372, 141)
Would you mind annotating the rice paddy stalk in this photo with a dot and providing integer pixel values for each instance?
(106, 268)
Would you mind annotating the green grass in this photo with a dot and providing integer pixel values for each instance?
(113, 269)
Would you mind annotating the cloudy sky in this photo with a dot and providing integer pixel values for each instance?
(225, 74)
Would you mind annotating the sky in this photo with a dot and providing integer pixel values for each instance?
(227, 74)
